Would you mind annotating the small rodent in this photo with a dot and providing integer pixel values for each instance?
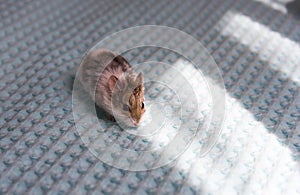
(113, 85)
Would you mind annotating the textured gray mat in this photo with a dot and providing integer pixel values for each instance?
(255, 46)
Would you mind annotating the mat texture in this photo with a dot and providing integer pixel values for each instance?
(255, 44)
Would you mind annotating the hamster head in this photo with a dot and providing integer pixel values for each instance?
(127, 98)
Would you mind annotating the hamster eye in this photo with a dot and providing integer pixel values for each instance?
(143, 105)
(126, 107)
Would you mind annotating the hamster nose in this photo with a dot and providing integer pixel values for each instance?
(134, 122)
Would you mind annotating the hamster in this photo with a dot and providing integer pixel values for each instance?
(112, 84)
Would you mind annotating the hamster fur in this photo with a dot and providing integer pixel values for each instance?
(112, 84)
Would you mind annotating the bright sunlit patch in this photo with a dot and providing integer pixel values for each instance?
(280, 52)
(274, 5)
(246, 159)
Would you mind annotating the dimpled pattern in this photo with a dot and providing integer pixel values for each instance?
(41, 45)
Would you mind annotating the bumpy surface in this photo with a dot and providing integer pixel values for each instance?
(256, 47)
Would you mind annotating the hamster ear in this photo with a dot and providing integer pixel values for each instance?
(139, 79)
(112, 82)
